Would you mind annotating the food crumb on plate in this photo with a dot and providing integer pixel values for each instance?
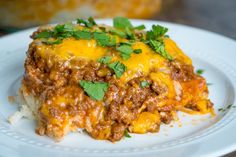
(11, 99)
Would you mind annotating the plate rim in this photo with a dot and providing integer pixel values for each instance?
(141, 21)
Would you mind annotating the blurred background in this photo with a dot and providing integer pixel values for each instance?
(214, 15)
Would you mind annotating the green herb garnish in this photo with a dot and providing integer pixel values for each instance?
(155, 40)
(44, 34)
(104, 60)
(64, 30)
(226, 108)
(79, 34)
(200, 71)
(125, 51)
(118, 67)
(112, 42)
(122, 23)
(68, 27)
(156, 33)
(159, 47)
(126, 43)
(140, 27)
(118, 33)
(229, 106)
(126, 134)
(88, 23)
(103, 39)
(95, 90)
(92, 21)
(107, 37)
(166, 36)
(51, 42)
(137, 51)
(130, 34)
(144, 84)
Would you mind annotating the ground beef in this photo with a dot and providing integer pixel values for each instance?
(181, 71)
(192, 106)
(117, 131)
(166, 117)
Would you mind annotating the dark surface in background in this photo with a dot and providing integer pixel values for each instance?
(215, 15)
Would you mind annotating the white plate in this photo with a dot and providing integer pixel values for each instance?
(192, 136)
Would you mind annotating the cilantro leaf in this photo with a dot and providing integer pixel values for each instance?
(144, 84)
(121, 23)
(226, 108)
(82, 35)
(104, 60)
(200, 71)
(118, 33)
(137, 51)
(68, 27)
(156, 32)
(166, 36)
(118, 67)
(159, 47)
(101, 38)
(44, 34)
(229, 106)
(112, 41)
(140, 27)
(64, 30)
(126, 134)
(51, 42)
(81, 21)
(125, 51)
(95, 90)
(104, 39)
(126, 43)
(129, 33)
(102, 28)
(90, 23)
(125, 25)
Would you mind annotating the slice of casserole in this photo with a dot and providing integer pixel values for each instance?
(107, 80)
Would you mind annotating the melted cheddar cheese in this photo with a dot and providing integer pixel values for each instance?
(137, 64)
(146, 122)
(72, 48)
